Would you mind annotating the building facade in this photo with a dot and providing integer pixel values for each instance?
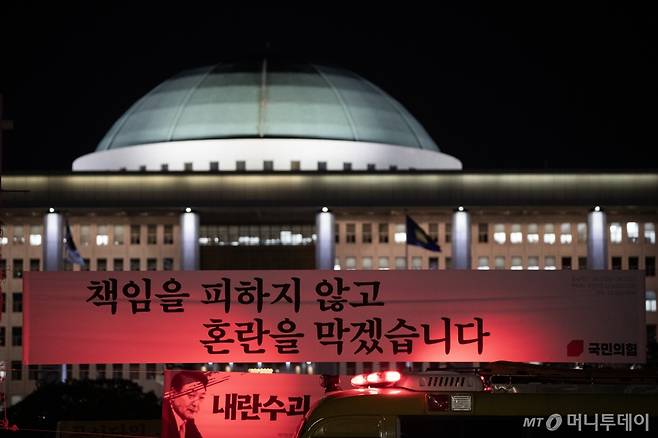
(300, 167)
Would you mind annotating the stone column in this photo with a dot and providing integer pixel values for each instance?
(325, 244)
(597, 239)
(53, 242)
(189, 233)
(325, 257)
(461, 239)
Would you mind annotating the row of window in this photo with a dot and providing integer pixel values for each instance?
(37, 372)
(16, 336)
(102, 237)
(134, 264)
(268, 166)
(304, 234)
(501, 232)
(497, 262)
(235, 235)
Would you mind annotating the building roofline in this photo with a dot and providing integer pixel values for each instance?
(334, 189)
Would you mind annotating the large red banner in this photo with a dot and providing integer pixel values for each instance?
(216, 404)
(329, 316)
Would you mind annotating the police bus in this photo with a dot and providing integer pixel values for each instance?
(503, 399)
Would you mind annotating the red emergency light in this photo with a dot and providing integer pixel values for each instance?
(377, 379)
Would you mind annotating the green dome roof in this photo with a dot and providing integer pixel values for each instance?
(267, 100)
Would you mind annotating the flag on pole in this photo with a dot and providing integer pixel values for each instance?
(71, 251)
(417, 236)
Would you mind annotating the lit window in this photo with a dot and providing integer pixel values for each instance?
(400, 263)
(650, 301)
(615, 232)
(416, 263)
(516, 236)
(336, 264)
(533, 263)
(366, 262)
(582, 232)
(285, 236)
(500, 262)
(383, 263)
(517, 263)
(649, 233)
(118, 235)
(3, 235)
(18, 237)
(549, 234)
(499, 233)
(549, 263)
(102, 237)
(633, 231)
(565, 234)
(85, 233)
(35, 235)
(350, 263)
(533, 233)
(400, 233)
(483, 263)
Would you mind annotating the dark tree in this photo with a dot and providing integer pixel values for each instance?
(81, 400)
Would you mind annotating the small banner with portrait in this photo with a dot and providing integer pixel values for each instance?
(200, 404)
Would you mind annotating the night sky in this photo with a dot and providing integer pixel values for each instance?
(513, 87)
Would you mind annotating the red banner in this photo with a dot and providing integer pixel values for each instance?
(330, 316)
(213, 405)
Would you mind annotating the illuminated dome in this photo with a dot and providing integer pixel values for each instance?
(270, 116)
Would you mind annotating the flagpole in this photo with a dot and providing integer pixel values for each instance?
(406, 254)
(406, 242)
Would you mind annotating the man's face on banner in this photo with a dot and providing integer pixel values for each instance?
(187, 402)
